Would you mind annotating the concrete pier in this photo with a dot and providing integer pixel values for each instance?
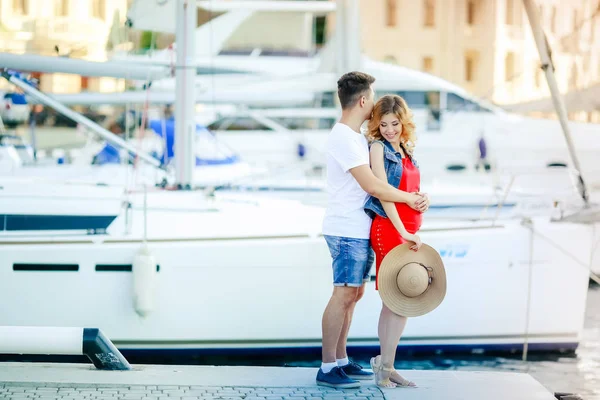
(19, 381)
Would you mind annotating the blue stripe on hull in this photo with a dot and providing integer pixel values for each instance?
(504, 348)
(440, 355)
(20, 222)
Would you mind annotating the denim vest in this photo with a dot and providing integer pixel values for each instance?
(392, 162)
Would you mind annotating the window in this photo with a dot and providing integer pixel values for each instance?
(99, 9)
(469, 67)
(471, 12)
(416, 98)
(20, 7)
(61, 8)
(320, 29)
(390, 16)
(509, 66)
(46, 267)
(238, 124)
(455, 102)
(509, 12)
(327, 99)
(428, 64)
(216, 125)
(429, 6)
(305, 123)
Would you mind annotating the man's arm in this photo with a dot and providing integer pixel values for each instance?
(380, 189)
(350, 156)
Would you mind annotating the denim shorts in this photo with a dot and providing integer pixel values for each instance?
(352, 260)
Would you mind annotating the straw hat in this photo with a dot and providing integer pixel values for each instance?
(412, 283)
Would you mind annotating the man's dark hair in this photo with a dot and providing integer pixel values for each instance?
(353, 85)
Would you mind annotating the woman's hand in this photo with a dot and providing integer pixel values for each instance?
(415, 201)
(422, 204)
(415, 239)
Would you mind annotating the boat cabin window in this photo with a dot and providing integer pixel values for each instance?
(238, 124)
(455, 102)
(325, 100)
(416, 98)
(429, 101)
(218, 71)
(300, 123)
(11, 140)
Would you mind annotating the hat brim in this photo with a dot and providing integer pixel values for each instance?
(387, 277)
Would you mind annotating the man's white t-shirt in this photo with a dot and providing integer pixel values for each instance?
(345, 215)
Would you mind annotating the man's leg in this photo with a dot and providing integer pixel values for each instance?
(336, 313)
(333, 320)
(364, 256)
(340, 351)
(349, 259)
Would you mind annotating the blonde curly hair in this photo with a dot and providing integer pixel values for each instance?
(393, 104)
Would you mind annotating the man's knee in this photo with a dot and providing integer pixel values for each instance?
(347, 295)
(360, 293)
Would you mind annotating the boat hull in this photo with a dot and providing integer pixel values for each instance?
(270, 292)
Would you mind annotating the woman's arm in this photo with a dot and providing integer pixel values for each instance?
(378, 167)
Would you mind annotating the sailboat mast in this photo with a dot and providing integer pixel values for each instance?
(548, 67)
(347, 36)
(185, 94)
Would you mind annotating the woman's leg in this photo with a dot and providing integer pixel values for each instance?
(390, 330)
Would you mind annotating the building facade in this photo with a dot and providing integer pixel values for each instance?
(70, 28)
(486, 46)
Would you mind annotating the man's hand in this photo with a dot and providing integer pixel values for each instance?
(422, 203)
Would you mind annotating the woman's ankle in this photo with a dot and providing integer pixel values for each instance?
(387, 363)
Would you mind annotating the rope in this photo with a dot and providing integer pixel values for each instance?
(561, 249)
(528, 223)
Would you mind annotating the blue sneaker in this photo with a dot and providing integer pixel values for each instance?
(355, 371)
(336, 378)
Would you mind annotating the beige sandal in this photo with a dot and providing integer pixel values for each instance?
(402, 382)
(377, 367)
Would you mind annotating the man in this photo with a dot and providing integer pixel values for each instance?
(346, 226)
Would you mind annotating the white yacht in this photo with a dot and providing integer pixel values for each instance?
(183, 270)
(238, 273)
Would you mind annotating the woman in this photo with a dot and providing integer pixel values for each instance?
(392, 133)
